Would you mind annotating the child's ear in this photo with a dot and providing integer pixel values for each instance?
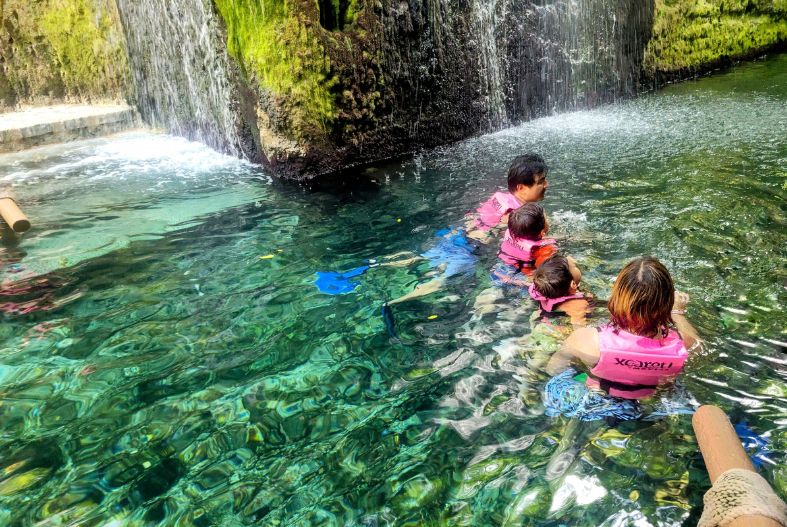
(573, 287)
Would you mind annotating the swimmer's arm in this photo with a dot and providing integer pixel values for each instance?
(687, 332)
(690, 337)
(479, 235)
(577, 310)
(473, 232)
(506, 279)
(581, 345)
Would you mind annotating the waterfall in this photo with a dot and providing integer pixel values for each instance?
(181, 70)
(570, 54)
(439, 70)
(485, 15)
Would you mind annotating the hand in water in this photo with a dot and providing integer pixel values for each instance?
(681, 301)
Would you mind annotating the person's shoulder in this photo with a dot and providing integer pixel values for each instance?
(583, 337)
(575, 305)
(500, 198)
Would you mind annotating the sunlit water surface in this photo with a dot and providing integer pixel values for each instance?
(155, 370)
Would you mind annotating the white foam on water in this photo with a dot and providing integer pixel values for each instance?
(92, 197)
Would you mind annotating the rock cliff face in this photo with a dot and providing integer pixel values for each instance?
(337, 83)
(51, 51)
(313, 86)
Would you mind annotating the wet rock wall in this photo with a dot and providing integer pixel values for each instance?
(56, 50)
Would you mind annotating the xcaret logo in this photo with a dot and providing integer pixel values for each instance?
(643, 365)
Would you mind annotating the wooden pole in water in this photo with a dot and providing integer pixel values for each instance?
(722, 451)
(13, 215)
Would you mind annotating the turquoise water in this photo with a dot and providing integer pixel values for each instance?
(155, 370)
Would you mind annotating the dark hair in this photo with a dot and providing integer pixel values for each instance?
(527, 221)
(524, 169)
(642, 297)
(553, 277)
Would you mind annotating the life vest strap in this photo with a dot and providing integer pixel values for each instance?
(606, 385)
(520, 265)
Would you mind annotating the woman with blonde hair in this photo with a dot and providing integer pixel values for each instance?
(645, 344)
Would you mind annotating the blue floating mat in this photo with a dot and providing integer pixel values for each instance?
(333, 283)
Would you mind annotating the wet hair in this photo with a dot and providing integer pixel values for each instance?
(524, 169)
(642, 298)
(527, 221)
(553, 277)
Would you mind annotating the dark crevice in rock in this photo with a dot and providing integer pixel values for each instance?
(333, 14)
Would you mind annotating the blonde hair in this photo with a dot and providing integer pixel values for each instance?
(642, 298)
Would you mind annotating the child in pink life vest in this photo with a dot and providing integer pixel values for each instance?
(554, 287)
(524, 246)
(527, 182)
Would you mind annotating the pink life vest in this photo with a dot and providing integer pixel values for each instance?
(549, 304)
(631, 366)
(492, 210)
(519, 252)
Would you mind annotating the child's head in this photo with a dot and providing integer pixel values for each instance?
(528, 222)
(642, 297)
(557, 277)
(527, 178)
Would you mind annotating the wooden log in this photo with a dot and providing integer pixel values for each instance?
(722, 451)
(13, 215)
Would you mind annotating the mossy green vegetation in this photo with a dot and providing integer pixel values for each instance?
(61, 49)
(690, 35)
(86, 46)
(278, 45)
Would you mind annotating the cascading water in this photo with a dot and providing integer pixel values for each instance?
(181, 70)
(570, 54)
(444, 70)
(486, 14)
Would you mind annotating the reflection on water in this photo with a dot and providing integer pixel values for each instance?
(165, 358)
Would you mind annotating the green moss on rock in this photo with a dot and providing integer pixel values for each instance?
(277, 48)
(691, 35)
(315, 67)
(55, 49)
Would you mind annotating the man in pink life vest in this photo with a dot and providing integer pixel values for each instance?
(527, 183)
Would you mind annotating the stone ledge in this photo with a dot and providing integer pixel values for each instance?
(57, 124)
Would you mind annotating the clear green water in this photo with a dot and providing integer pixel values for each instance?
(155, 371)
